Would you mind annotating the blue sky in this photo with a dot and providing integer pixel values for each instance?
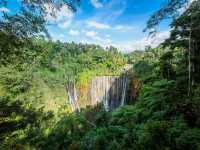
(106, 22)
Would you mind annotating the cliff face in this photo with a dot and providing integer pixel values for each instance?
(109, 90)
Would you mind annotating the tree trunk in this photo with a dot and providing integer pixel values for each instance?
(189, 64)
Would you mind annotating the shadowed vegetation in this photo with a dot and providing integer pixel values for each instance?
(163, 99)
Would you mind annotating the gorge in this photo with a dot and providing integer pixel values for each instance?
(111, 91)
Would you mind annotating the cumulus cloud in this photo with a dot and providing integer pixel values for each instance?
(103, 26)
(97, 25)
(108, 41)
(159, 38)
(142, 43)
(94, 37)
(63, 17)
(96, 4)
(4, 9)
(127, 46)
(74, 32)
(111, 10)
(123, 28)
(91, 34)
(64, 24)
(108, 35)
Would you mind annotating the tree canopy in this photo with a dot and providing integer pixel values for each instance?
(35, 73)
(171, 9)
(30, 20)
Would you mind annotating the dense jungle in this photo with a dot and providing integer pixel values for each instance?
(57, 95)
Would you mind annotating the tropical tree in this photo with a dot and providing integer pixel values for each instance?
(185, 33)
(30, 19)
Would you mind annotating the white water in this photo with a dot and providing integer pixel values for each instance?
(73, 97)
(111, 90)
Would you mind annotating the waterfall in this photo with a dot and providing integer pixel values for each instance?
(110, 90)
(124, 90)
(105, 102)
(73, 97)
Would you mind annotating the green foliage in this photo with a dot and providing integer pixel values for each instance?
(169, 9)
(40, 76)
(162, 117)
(18, 122)
(30, 20)
(189, 139)
(13, 81)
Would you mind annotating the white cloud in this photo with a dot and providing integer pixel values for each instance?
(97, 25)
(64, 24)
(108, 35)
(125, 46)
(96, 4)
(61, 36)
(112, 10)
(4, 9)
(103, 26)
(91, 34)
(74, 32)
(95, 38)
(119, 27)
(123, 28)
(63, 17)
(142, 43)
(109, 41)
(159, 38)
